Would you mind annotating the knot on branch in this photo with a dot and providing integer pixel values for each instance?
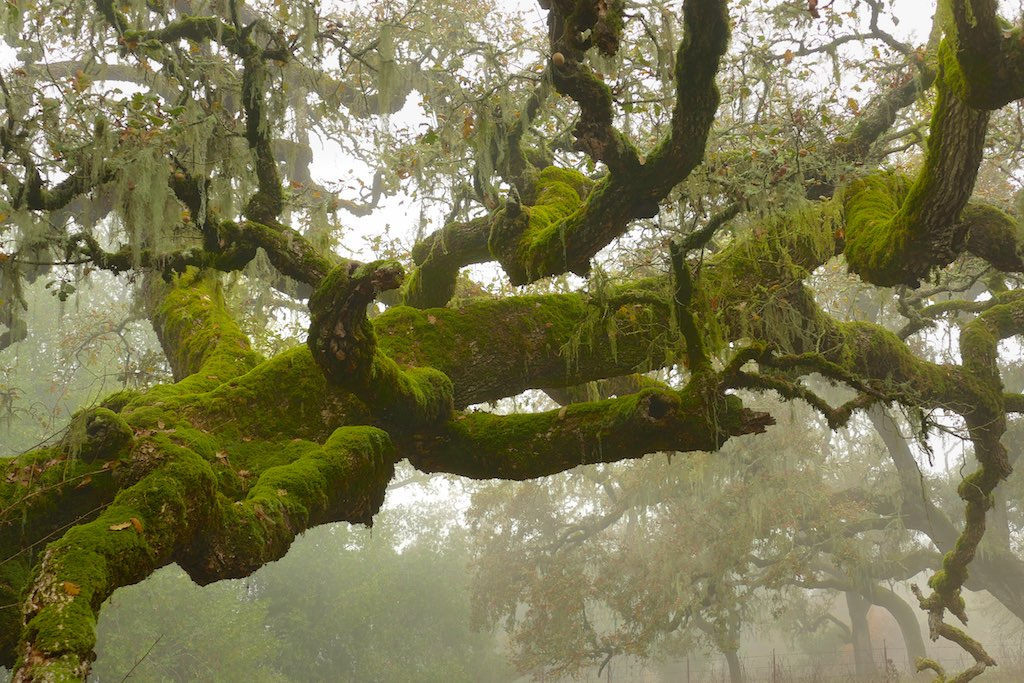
(97, 434)
(528, 240)
(344, 345)
(341, 337)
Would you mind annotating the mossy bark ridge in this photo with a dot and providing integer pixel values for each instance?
(221, 469)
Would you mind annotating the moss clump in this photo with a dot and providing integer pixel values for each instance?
(204, 344)
(876, 242)
(529, 240)
(98, 433)
(117, 401)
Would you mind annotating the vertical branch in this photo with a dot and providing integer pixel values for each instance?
(682, 298)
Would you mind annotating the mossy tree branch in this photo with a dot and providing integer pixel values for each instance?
(344, 343)
(897, 233)
(985, 59)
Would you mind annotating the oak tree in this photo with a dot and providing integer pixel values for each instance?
(171, 142)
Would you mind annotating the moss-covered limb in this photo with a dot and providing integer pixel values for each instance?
(137, 533)
(523, 446)
(879, 115)
(291, 253)
(995, 236)
(998, 571)
(267, 203)
(921, 318)
(520, 164)
(35, 195)
(1014, 403)
(197, 29)
(227, 258)
(790, 390)
(595, 133)
(440, 256)
(343, 342)
(523, 237)
(986, 423)
(984, 56)
(705, 39)
(682, 300)
(939, 628)
(897, 233)
(343, 480)
(492, 348)
(201, 340)
(231, 246)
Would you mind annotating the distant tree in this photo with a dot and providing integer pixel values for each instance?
(170, 140)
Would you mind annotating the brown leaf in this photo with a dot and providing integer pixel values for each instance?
(86, 480)
(136, 524)
(71, 589)
(120, 527)
(787, 57)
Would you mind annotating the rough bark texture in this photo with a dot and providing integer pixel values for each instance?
(220, 470)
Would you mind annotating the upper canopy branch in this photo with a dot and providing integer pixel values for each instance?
(984, 57)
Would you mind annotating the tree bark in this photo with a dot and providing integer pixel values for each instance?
(863, 657)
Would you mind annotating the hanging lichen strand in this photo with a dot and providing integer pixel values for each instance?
(219, 470)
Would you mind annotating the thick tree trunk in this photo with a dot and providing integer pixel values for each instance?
(906, 619)
(735, 666)
(863, 657)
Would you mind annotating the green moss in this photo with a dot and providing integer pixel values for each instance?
(205, 345)
(345, 479)
(896, 232)
(876, 242)
(117, 401)
(98, 433)
(284, 397)
(15, 573)
(530, 243)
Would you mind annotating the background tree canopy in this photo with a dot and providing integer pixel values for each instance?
(610, 230)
